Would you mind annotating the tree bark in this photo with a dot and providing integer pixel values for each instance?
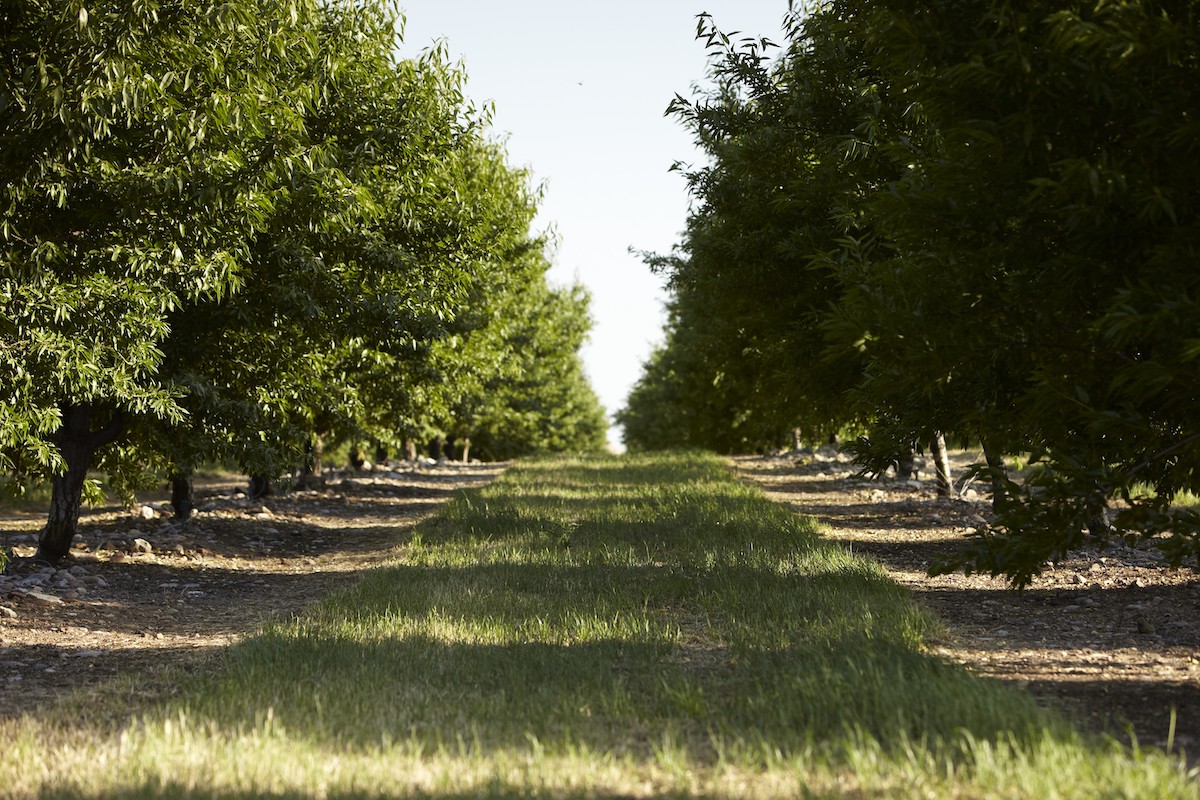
(182, 497)
(941, 465)
(466, 449)
(995, 462)
(410, 450)
(260, 486)
(77, 443)
(906, 466)
(314, 452)
(1099, 523)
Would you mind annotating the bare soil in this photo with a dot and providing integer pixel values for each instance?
(1110, 637)
(142, 592)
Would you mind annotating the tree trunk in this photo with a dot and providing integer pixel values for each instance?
(906, 466)
(466, 449)
(995, 462)
(357, 459)
(941, 465)
(78, 443)
(260, 486)
(310, 475)
(381, 454)
(410, 450)
(182, 498)
(1099, 523)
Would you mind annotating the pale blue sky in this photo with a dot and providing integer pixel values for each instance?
(580, 91)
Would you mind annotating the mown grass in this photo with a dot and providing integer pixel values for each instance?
(605, 628)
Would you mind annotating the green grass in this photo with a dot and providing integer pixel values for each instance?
(603, 627)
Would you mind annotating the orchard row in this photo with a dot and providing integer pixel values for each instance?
(972, 220)
(231, 230)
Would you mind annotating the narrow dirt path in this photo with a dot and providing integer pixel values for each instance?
(1110, 637)
(142, 592)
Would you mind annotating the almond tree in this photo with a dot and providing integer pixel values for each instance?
(997, 224)
(139, 149)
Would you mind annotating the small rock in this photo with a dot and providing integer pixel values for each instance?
(970, 494)
(7, 612)
(1095, 567)
(43, 599)
(1145, 626)
(142, 546)
(78, 570)
(147, 513)
(97, 581)
(1078, 579)
(117, 558)
(1139, 583)
(1070, 608)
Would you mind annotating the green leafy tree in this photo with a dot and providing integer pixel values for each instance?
(999, 203)
(540, 400)
(136, 164)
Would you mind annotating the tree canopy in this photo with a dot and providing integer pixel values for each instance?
(970, 218)
(230, 227)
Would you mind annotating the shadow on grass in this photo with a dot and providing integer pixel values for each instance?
(614, 659)
(611, 696)
(725, 640)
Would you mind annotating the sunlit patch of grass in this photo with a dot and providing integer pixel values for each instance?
(601, 627)
(1145, 491)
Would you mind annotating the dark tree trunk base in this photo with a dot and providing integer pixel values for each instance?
(260, 487)
(995, 462)
(182, 497)
(77, 443)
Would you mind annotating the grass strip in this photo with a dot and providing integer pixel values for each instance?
(602, 627)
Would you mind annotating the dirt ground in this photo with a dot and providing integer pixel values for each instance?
(1111, 637)
(142, 592)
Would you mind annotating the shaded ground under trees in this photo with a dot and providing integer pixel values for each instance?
(1108, 635)
(203, 583)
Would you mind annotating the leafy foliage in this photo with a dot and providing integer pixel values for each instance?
(970, 218)
(230, 227)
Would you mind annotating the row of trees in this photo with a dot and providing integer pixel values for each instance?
(231, 230)
(977, 219)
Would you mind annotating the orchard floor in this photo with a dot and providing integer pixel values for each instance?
(1111, 637)
(236, 564)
